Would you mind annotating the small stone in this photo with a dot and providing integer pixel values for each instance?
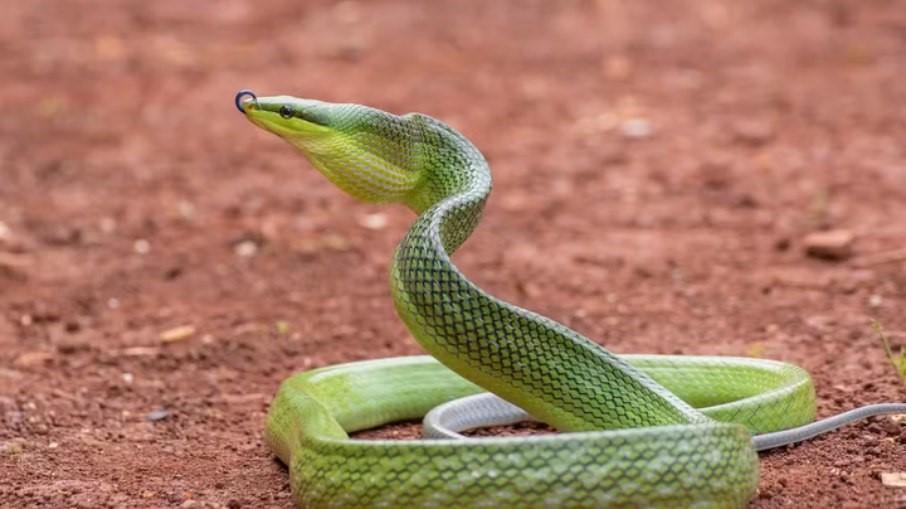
(158, 415)
(141, 246)
(894, 479)
(177, 333)
(246, 249)
(875, 301)
(376, 221)
(636, 128)
(829, 245)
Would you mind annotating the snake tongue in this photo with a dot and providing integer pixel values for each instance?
(245, 99)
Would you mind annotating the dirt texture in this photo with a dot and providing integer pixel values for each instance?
(657, 164)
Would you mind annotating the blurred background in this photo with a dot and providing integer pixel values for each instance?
(695, 176)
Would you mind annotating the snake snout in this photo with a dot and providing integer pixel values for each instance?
(243, 98)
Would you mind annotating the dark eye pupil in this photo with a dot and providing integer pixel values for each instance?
(286, 112)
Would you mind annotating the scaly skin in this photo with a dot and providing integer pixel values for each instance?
(636, 442)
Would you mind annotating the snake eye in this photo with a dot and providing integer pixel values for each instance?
(287, 111)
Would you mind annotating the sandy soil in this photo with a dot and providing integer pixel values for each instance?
(657, 167)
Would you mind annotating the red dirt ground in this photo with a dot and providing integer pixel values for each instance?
(657, 165)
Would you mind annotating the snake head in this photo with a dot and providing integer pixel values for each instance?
(370, 154)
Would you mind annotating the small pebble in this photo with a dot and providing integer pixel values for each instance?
(246, 249)
(894, 479)
(141, 246)
(376, 221)
(158, 415)
(832, 245)
(875, 301)
(636, 128)
(177, 333)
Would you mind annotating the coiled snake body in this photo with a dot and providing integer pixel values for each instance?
(644, 431)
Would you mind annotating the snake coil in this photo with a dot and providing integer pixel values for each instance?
(640, 431)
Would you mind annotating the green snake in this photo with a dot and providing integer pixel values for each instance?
(637, 431)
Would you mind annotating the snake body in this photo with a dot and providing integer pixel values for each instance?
(647, 431)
